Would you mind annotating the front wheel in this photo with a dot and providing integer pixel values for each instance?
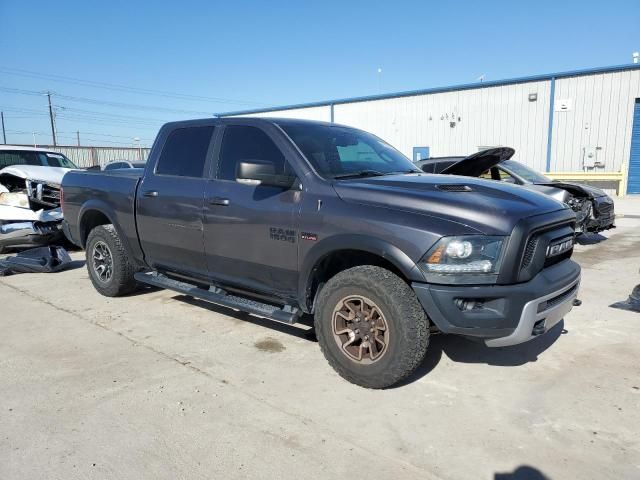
(110, 269)
(371, 327)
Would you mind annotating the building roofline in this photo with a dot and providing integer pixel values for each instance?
(427, 91)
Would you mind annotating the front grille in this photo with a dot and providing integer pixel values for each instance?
(552, 302)
(557, 258)
(535, 251)
(44, 194)
(51, 194)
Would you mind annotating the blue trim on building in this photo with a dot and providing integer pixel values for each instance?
(633, 174)
(552, 104)
(468, 86)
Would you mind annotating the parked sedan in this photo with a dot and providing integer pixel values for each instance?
(594, 208)
(119, 164)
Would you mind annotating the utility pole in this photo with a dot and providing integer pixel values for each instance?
(4, 133)
(53, 128)
(78, 136)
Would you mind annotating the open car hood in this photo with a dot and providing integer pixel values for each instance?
(577, 189)
(478, 163)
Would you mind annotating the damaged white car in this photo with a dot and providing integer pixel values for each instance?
(30, 181)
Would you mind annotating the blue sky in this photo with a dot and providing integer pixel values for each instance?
(260, 53)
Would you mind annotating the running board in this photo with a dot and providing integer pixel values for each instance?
(286, 314)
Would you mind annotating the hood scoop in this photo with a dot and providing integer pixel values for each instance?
(454, 187)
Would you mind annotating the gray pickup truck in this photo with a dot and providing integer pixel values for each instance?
(281, 218)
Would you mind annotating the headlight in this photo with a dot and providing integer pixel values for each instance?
(468, 259)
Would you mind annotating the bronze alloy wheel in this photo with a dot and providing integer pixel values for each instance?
(360, 329)
(102, 261)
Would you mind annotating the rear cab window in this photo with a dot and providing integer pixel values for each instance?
(185, 152)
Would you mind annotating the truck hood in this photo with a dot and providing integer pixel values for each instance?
(483, 205)
(50, 175)
(478, 163)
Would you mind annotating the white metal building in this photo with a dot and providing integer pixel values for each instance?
(580, 121)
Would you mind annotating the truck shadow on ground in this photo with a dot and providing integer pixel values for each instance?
(303, 329)
(462, 350)
(456, 348)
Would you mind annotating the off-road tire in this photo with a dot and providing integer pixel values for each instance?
(406, 320)
(121, 281)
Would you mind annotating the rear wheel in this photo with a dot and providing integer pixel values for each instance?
(371, 327)
(108, 263)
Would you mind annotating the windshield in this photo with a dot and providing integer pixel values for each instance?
(336, 151)
(58, 160)
(528, 174)
(19, 157)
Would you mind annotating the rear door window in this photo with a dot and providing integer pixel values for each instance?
(185, 152)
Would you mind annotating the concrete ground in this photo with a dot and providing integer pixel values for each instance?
(159, 386)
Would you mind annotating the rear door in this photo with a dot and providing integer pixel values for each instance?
(170, 202)
(250, 231)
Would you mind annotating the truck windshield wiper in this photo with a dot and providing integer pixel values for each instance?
(404, 172)
(361, 174)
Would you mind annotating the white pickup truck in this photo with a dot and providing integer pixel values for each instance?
(30, 181)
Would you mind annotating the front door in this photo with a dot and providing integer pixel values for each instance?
(251, 240)
(170, 204)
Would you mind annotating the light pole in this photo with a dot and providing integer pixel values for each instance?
(51, 119)
(4, 134)
(137, 143)
(34, 139)
(379, 80)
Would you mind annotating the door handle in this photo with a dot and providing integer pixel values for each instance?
(219, 201)
(150, 193)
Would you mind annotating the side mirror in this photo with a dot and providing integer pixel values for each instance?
(256, 172)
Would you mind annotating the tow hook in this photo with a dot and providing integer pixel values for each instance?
(576, 302)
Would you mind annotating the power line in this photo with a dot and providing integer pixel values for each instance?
(114, 122)
(112, 115)
(89, 114)
(24, 132)
(105, 135)
(122, 88)
(94, 101)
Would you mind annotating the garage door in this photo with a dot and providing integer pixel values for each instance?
(633, 185)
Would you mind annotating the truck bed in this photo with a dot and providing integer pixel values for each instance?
(109, 193)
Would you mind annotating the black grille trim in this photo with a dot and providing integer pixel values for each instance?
(552, 302)
(529, 251)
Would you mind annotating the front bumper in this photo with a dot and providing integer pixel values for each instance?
(503, 315)
(29, 234)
